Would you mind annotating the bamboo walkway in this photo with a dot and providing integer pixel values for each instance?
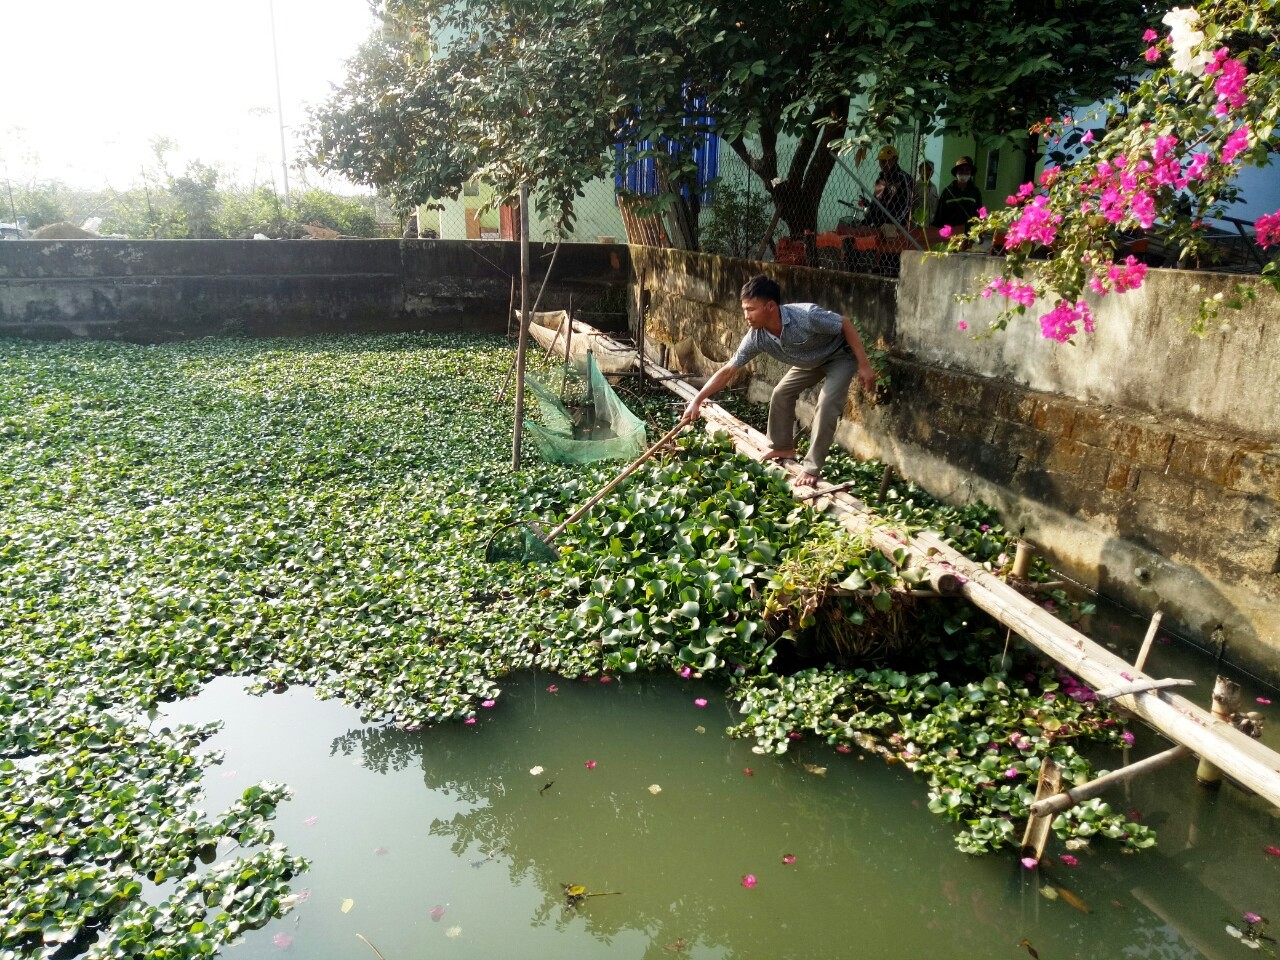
(1241, 758)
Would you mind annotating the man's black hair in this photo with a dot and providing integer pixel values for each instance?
(761, 287)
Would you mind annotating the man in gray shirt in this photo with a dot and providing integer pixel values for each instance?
(819, 345)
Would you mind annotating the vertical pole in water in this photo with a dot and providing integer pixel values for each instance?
(521, 345)
(1226, 698)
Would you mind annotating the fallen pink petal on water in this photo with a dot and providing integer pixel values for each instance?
(748, 771)
(789, 859)
(552, 689)
(843, 748)
(1067, 860)
(686, 672)
(311, 821)
(749, 880)
(590, 764)
(228, 773)
(488, 704)
(282, 941)
(436, 913)
(794, 735)
(379, 851)
(1271, 850)
(700, 702)
(470, 721)
(1262, 700)
(1029, 862)
(606, 679)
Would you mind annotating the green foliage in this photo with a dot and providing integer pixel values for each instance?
(739, 218)
(41, 205)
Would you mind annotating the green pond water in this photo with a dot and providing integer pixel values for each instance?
(446, 844)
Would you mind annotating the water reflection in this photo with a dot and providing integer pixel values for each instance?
(445, 841)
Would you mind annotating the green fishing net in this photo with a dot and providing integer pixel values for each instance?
(581, 417)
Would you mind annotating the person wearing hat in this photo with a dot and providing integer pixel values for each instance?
(960, 200)
(893, 190)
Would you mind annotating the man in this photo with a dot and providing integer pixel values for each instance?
(893, 189)
(960, 200)
(819, 345)
(926, 201)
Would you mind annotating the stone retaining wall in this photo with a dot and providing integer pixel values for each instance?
(157, 290)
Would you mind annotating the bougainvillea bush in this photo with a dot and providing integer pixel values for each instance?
(315, 512)
(1162, 158)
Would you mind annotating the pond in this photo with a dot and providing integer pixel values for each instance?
(459, 840)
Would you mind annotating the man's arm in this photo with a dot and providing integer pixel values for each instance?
(866, 372)
(719, 380)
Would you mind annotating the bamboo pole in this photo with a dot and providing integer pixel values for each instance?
(886, 479)
(1226, 697)
(522, 345)
(1087, 791)
(1141, 662)
(1021, 560)
(1246, 761)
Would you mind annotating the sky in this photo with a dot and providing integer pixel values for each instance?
(88, 84)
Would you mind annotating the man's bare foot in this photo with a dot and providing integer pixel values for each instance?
(777, 455)
(805, 480)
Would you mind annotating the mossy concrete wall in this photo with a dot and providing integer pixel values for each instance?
(1144, 460)
(148, 291)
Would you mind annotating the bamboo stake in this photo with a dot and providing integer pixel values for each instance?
(1226, 697)
(1055, 804)
(1140, 686)
(1247, 762)
(1021, 560)
(511, 306)
(1146, 641)
(522, 345)
(886, 479)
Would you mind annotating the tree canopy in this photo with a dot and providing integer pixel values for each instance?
(554, 93)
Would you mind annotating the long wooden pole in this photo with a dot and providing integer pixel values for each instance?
(522, 346)
(1087, 791)
(1245, 760)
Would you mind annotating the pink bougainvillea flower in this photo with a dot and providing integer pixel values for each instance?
(436, 913)
(748, 771)
(686, 672)
(1128, 738)
(282, 941)
(488, 704)
(1251, 917)
(311, 821)
(470, 721)
(590, 764)
(962, 325)
(1067, 860)
(748, 880)
(982, 213)
(1150, 35)
(1267, 229)
(1235, 144)
(1011, 773)
(1029, 862)
(789, 859)
(944, 232)
(1151, 54)
(552, 688)
(1271, 850)
(700, 702)
(1263, 700)
(606, 679)
(843, 748)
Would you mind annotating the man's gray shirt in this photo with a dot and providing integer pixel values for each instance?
(810, 337)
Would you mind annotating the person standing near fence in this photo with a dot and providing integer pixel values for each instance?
(926, 204)
(961, 199)
(819, 346)
(893, 190)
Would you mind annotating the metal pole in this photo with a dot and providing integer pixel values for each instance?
(275, 57)
(521, 345)
(870, 195)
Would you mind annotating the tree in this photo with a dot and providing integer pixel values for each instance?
(542, 91)
(1167, 155)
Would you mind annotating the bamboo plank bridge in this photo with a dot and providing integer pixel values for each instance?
(1192, 728)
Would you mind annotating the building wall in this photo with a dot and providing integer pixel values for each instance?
(1144, 460)
(156, 290)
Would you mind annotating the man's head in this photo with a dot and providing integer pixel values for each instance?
(888, 156)
(962, 170)
(761, 302)
(926, 170)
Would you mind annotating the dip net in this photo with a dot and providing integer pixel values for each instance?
(581, 418)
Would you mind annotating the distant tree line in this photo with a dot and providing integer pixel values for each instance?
(194, 205)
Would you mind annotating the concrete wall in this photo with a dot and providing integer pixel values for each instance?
(177, 289)
(1145, 460)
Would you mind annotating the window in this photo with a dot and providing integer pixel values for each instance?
(993, 169)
